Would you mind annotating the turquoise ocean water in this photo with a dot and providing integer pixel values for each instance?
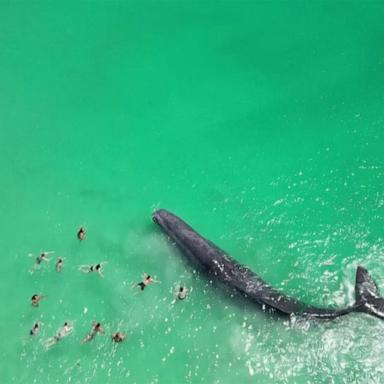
(260, 123)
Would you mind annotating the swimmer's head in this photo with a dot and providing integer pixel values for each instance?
(148, 277)
(181, 289)
(81, 233)
(98, 266)
(65, 324)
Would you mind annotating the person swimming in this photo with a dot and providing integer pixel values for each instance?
(59, 264)
(93, 268)
(147, 279)
(42, 257)
(64, 331)
(35, 329)
(81, 234)
(39, 259)
(96, 328)
(36, 299)
(118, 337)
(182, 294)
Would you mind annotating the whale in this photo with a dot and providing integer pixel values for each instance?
(207, 257)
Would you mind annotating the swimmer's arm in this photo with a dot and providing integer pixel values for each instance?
(46, 253)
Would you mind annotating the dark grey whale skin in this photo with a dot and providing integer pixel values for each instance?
(207, 256)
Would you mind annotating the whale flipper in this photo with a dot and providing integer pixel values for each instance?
(367, 294)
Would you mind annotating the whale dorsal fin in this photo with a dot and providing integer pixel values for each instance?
(365, 287)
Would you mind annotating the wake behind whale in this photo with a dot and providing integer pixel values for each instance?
(207, 256)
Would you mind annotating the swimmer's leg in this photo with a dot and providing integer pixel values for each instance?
(85, 268)
(141, 284)
(49, 342)
(87, 338)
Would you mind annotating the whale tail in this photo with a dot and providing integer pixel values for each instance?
(367, 294)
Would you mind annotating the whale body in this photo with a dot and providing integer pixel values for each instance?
(208, 257)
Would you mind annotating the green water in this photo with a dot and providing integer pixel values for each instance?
(260, 123)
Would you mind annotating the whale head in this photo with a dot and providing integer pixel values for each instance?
(194, 247)
(166, 220)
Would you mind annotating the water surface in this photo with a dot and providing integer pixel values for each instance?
(260, 123)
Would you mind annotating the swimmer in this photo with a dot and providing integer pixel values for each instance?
(96, 328)
(36, 299)
(81, 234)
(182, 294)
(39, 259)
(35, 330)
(42, 257)
(147, 279)
(64, 331)
(59, 264)
(93, 268)
(118, 337)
